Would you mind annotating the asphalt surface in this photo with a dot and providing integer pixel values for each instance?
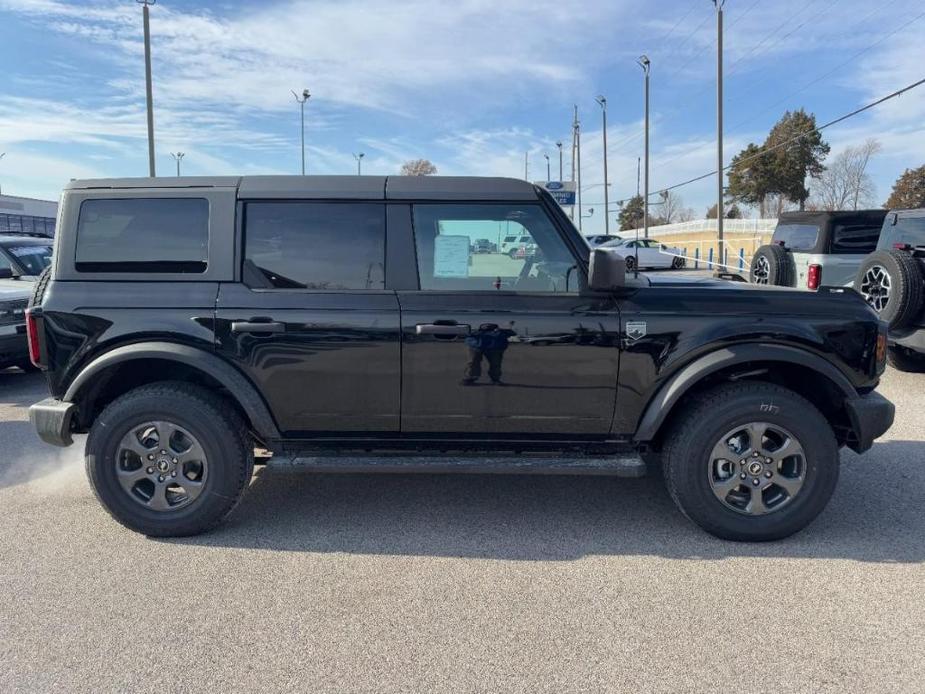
(359, 583)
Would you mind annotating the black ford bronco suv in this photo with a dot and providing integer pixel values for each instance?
(345, 321)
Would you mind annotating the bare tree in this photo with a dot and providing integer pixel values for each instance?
(845, 184)
(672, 207)
(418, 167)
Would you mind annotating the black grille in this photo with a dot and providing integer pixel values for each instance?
(13, 312)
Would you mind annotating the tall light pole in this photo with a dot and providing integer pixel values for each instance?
(149, 92)
(177, 157)
(359, 157)
(526, 166)
(2, 154)
(577, 131)
(305, 97)
(603, 104)
(546, 157)
(559, 146)
(719, 129)
(645, 64)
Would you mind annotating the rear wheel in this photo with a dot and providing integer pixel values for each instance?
(751, 462)
(169, 459)
(630, 262)
(905, 359)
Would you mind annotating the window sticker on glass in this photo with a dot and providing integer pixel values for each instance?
(451, 256)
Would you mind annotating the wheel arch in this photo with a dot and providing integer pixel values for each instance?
(804, 372)
(123, 368)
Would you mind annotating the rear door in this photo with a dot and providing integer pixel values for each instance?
(493, 344)
(311, 322)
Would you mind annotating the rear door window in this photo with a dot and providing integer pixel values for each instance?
(796, 237)
(855, 239)
(143, 235)
(317, 246)
(910, 231)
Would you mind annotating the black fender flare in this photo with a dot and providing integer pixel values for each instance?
(243, 391)
(668, 395)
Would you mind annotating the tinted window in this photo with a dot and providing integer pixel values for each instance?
(796, 237)
(143, 234)
(910, 230)
(295, 245)
(539, 262)
(859, 239)
(32, 258)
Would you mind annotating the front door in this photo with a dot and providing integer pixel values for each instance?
(503, 342)
(312, 324)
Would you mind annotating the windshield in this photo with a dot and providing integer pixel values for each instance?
(32, 258)
(796, 237)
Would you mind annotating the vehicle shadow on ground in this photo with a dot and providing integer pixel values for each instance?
(874, 516)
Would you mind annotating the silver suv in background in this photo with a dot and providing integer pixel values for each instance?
(809, 249)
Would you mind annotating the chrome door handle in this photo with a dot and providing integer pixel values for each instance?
(456, 330)
(243, 326)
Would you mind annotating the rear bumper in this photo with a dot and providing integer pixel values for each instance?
(871, 416)
(52, 421)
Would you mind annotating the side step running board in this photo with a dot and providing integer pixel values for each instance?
(512, 465)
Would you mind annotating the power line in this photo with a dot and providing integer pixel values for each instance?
(765, 150)
(678, 23)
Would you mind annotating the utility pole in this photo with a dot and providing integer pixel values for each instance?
(526, 166)
(149, 95)
(719, 130)
(359, 158)
(603, 104)
(559, 146)
(548, 178)
(578, 164)
(646, 64)
(305, 97)
(2, 154)
(638, 160)
(177, 156)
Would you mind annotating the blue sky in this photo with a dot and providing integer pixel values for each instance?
(469, 84)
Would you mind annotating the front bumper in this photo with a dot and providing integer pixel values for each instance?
(52, 421)
(871, 415)
(13, 345)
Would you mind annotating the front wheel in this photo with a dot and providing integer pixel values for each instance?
(169, 459)
(751, 462)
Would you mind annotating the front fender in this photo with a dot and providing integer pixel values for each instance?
(661, 404)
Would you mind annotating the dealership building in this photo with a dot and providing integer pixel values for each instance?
(27, 215)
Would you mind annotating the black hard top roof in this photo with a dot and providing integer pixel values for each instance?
(822, 217)
(335, 187)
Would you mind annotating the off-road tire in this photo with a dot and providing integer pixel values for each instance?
(703, 422)
(905, 300)
(781, 271)
(41, 284)
(210, 418)
(905, 359)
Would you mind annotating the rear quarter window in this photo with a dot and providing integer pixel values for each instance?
(796, 237)
(855, 239)
(167, 235)
(909, 231)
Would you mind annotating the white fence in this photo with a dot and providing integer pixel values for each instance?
(732, 226)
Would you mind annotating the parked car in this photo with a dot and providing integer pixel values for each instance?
(596, 240)
(14, 350)
(809, 249)
(649, 252)
(483, 246)
(891, 280)
(513, 245)
(23, 257)
(186, 321)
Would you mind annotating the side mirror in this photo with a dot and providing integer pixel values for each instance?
(606, 271)
(6, 273)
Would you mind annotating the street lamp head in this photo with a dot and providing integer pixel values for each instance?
(545, 156)
(602, 100)
(559, 144)
(644, 62)
(305, 94)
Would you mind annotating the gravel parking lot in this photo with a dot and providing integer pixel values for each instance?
(459, 583)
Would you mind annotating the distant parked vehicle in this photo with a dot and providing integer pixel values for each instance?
(649, 253)
(599, 239)
(809, 249)
(23, 257)
(483, 246)
(513, 245)
(891, 280)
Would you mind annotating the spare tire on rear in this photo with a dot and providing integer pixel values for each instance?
(772, 264)
(891, 282)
